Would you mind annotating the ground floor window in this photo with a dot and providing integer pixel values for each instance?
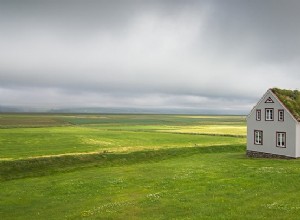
(258, 137)
(280, 139)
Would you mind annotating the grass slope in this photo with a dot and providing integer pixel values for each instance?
(41, 166)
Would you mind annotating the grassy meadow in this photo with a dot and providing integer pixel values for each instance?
(28, 136)
(139, 167)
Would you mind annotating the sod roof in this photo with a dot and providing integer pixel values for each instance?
(291, 100)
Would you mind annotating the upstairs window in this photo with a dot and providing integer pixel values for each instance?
(258, 115)
(280, 139)
(258, 137)
(280, 115)
(269, 114)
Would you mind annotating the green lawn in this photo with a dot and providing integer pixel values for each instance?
(139, 167)
(201, 186)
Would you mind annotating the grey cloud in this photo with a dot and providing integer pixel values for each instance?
(84, 15)
(271, 27)
(60, 99)
(172, 53)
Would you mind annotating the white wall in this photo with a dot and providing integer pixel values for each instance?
(270, 128)
(298, 140)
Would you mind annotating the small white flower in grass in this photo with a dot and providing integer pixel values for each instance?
(154, 196)
(108, 208)
(283, 207)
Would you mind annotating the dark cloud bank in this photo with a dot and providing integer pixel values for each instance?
(205, 56)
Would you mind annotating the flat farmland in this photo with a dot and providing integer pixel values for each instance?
(83, 166)
(71, 134)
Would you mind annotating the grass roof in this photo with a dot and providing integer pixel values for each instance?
(291, 100)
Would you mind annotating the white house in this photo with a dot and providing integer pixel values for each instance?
(273, 127)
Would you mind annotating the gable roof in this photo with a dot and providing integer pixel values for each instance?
(290, 99)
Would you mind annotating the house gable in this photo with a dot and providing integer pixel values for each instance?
(266, 101)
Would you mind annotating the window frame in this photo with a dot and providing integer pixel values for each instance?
(283, 138)
(260, 132)
(280, 111)
(258, 113)
(266, 110)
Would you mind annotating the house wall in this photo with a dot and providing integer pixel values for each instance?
(298, 140)
(270, 128)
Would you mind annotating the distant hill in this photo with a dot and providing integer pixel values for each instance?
(9, 109)
(118, 110)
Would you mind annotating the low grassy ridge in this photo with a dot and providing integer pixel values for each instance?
(139, 167)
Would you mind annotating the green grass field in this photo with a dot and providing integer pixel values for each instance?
(73, 134)
(139, 167)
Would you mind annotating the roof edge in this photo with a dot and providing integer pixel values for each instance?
(259, 101)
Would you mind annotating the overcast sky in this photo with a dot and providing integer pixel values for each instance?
(206, 54)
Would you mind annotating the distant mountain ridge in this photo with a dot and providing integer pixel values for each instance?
(117, 110)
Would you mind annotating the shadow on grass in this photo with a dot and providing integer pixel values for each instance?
(41, 166)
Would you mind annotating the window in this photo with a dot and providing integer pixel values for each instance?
(269, 100)
(280, 115)
(269, 114)
(258, 137)
(258, 115)
(280, 139)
